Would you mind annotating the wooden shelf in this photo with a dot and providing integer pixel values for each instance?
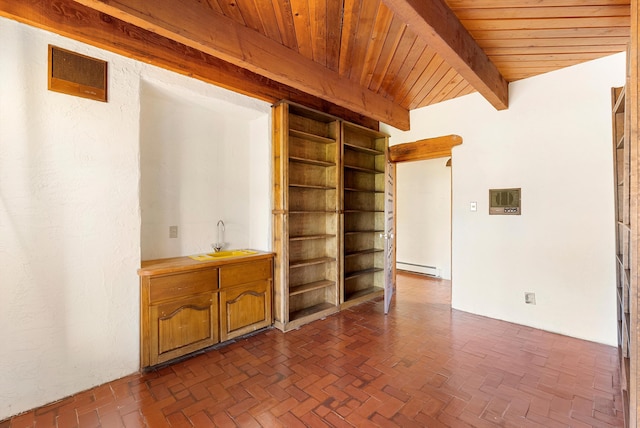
(312, 310)
(311, 137)
(316, 285)
(308, 161)
(362, 293)
(310, 237)
(363, 252)
(312, 212)
(309, 262)
(363, 149)
(353, 232)
(311, 186)
(361, 273)
(352, 189)
(362, 211)
(365, 170)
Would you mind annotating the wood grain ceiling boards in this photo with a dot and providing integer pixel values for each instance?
(362, 40)
(361, 55)
(525, 38)
(367, 43)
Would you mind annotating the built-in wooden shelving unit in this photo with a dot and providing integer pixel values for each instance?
(328, 214)
(622, 174)
(306, 200)
(364, 154)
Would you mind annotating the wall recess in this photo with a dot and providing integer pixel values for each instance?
(75, 74)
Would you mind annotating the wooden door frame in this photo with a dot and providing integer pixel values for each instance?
(428, 148)
(425, 149)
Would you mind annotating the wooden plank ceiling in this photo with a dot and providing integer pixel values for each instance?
(376, 58)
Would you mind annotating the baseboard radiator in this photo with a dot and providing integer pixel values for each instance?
(413, 267)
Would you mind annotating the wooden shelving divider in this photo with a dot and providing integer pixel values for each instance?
(328, 214)
(622, 177)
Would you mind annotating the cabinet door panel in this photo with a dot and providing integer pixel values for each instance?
(244, 309)
(178, 328)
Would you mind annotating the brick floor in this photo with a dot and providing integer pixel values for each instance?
(423, 365)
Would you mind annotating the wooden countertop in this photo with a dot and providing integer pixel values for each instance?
(182, 264)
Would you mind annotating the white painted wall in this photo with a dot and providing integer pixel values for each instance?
(554, 142)
(260, 184)
(197, 167)
(423, 217)
(70, 221)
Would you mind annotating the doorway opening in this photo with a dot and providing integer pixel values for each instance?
(423, 206)
(423, 223)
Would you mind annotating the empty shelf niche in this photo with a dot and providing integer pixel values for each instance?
(364, 201)
(303, 199)
(312, 288)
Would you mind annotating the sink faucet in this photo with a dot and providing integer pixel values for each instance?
(218, 245)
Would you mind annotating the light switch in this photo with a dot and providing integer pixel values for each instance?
(474, 206)
(173, 231)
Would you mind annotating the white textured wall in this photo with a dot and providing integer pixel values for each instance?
(69, 226)
(196, 167)
(554, 142)
(70, 222)
(423, 216)
(261, 184)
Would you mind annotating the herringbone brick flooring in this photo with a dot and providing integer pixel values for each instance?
(423, 365)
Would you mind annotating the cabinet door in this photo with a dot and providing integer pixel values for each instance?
(245, 308)
(183, 326)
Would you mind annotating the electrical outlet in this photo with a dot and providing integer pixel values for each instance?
(173, 231)
(473, 206)
(530, 298)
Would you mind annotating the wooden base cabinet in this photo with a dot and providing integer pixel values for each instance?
(181, 315)
(329, 183)
(186, 306)
(245, 298)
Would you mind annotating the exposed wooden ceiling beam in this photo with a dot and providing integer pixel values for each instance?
(435, 23)
(429, 148)
(198, 26)
(73, 20)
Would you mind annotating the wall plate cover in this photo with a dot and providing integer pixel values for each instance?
(504, 201)
(530, 298)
